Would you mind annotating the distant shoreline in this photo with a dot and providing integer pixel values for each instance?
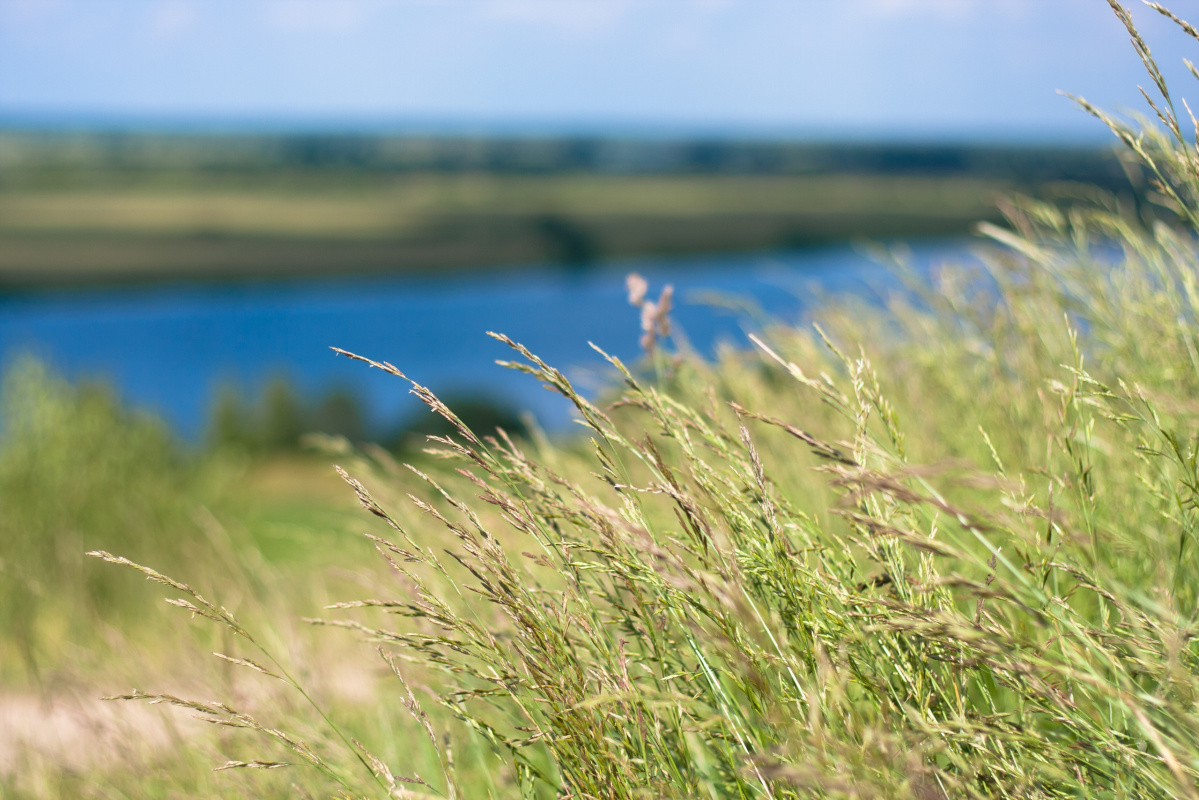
(95, 208)
(31, 263)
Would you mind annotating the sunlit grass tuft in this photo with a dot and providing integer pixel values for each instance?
(940, 549)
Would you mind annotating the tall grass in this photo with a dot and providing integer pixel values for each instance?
(942, 549)
(78, 471)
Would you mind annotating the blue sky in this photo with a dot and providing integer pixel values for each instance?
(921, 68)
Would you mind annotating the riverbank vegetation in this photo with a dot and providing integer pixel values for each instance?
(78, 208)
(941, 547)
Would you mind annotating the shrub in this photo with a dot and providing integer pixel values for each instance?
(77, 472)
(277, 421)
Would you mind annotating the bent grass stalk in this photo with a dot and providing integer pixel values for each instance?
(781, 575)
(221, 714)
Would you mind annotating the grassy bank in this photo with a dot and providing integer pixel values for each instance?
(942, 548)
(439, 222)
(70, 218)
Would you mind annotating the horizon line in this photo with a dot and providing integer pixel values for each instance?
(446, 126)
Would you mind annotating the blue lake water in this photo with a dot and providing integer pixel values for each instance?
(170, 348)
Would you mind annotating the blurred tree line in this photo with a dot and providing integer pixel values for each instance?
(32, 154)
(278, 418)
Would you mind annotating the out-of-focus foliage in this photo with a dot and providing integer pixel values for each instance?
(278, 418)
(79, 471)
(76, 207)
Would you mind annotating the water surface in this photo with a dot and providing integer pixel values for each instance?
(170, 348)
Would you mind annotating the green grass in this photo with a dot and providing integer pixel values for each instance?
(442, 221)
(942, 548)
(130, 490)
(398, 206)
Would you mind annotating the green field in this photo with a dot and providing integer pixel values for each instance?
(427, 222)
(159, 208)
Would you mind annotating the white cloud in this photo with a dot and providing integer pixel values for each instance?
(172, 18)
(28, 10)
(942, 9)
(579, 16)
(319, 15)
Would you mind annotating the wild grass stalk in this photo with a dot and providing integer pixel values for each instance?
(941, 549)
